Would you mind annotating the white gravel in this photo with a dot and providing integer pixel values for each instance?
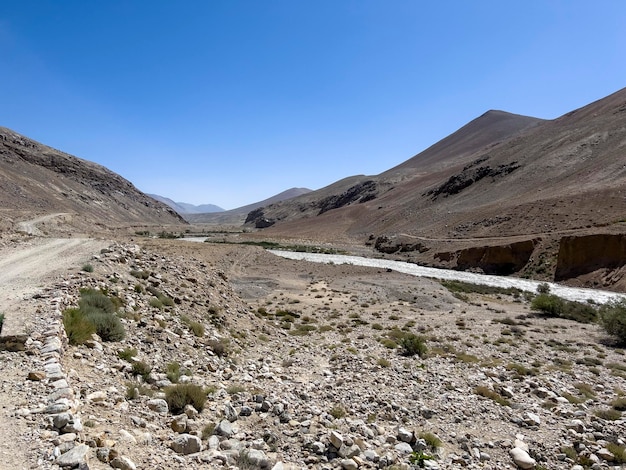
(570, 293)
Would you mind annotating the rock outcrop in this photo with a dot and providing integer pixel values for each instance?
(580, 255)
(494, 259)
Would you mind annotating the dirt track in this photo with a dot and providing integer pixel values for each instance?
(26, 269)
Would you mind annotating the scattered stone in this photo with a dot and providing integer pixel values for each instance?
(186, 444)
(74, 457)
(522, 459)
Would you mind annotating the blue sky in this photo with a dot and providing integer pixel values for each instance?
(229, 102)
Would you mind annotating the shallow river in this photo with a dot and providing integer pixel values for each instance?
(570, 293)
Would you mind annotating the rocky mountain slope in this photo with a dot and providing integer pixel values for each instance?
(37, 180)
(302, 367)
(237, 216)
(501, 179)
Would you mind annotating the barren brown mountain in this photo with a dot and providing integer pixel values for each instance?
(468, 200)
(68, 192)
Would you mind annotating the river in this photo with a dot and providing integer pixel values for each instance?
(570, 293)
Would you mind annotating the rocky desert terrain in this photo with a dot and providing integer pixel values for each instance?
(299, 365)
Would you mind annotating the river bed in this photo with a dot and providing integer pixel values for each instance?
(570, 293)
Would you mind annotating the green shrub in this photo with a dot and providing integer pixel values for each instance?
(142, 369)
(127, 353)
(78, 328)
(220, 348)
(412, 345)
(109, 327)
(619, 404)
(554, 306)
(180, 395)
(492, 395)
(140, 274)
(88, 268)
(337, 411)
(609, 414)
(173, 372)
(618, 451)
(613, 319)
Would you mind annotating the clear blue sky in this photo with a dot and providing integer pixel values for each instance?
(232, 101)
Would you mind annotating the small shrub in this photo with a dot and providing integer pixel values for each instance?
(208, 430)
(235, 388)
(382, 362)
(180, 395)
(412, 345)
(156, 303)
(543, 288)
(492, 395)
(108, 326)
(613, 319)
(608, 414)
(431, 440)
(140, 274)
(220, 348)
(618, 451)
(337, 411)
(619, 404)
(77, 327)
(142, 369)
(127, 354)
(138, 288)
(173, 372)
(88, 268)
(554, 306)
(585, 390)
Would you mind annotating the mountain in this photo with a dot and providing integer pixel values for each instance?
(514, 184)
(39, 181)
(186, 208)
(238, 215)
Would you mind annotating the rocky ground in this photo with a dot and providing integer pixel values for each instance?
(301, 368)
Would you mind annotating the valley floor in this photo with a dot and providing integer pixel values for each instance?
(302, 367)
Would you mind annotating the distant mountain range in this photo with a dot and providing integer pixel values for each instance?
(185, 208)
(238, 215)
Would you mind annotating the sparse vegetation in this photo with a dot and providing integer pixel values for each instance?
(142, 369)
(127, 353)
(412, 345)
(613, 319)
(180, 395)
(88, 268)
(492, 395)
(469, 288)
(554, 306)
(337, 411)
(95, 314)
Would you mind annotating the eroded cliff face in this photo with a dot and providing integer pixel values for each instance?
(580, 255)
(497, 259)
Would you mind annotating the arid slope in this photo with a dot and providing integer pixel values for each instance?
(37, 180)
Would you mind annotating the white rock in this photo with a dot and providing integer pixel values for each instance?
(522, 459)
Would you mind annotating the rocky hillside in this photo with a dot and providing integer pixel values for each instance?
(500, 179)
(37, 180)
(237, 216)
(313, 366)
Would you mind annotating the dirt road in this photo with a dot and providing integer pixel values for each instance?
(27, 268)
